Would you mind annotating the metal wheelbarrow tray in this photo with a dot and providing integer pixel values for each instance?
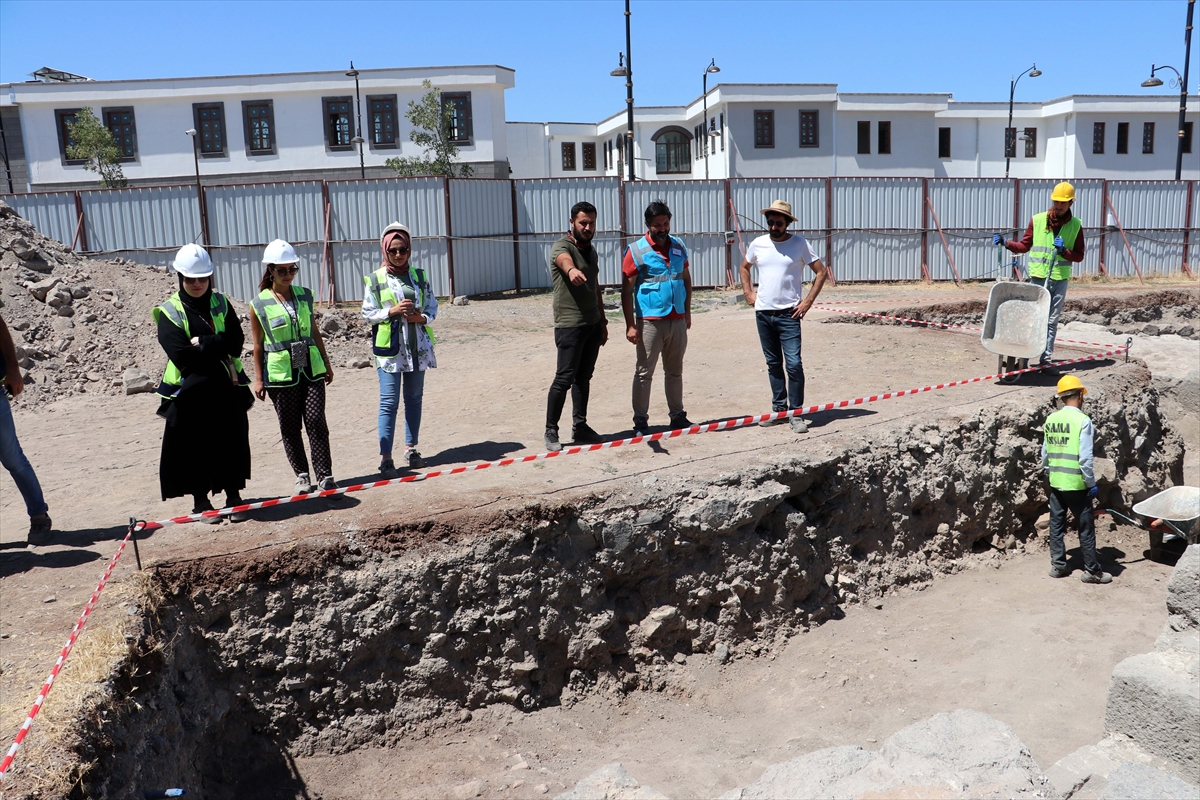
(1015, 325)
(1178, 508)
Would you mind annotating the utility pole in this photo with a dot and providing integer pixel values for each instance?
(629, 95)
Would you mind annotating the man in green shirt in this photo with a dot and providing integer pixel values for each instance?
(580, 327)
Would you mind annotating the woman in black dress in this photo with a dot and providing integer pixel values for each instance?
(206, 442)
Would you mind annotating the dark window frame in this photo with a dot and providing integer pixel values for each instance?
(722, 131)
(1122, 138)
(1010, 142)
(198, 124)
(864, 137)
(247, 127)
(1099, 131)
(60, 124)
(764, 129)
(815, 129)
(104, 112)
(567, 149)
(468, 117)
(372, 99)
(944, 142)
(1147, 138)
(1189, 128)
(328, 128)
(884, 142)
(668, 152)
(587, 153)
(1030, 137)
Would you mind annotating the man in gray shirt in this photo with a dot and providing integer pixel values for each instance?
(580, 327)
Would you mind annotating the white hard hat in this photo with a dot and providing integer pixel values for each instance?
(192, 261)
(280, 252)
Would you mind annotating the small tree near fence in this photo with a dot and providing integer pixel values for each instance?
(431, 130)
(94, 144)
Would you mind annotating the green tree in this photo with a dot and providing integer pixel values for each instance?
(94, 144)
(431, 130)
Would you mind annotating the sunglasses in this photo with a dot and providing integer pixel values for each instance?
(776, 223)
(195, 280)
(397, 251)
(286, 270)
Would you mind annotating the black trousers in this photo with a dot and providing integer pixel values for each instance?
(1079, 504)
(578, 349)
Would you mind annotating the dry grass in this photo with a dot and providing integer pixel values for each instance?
(47, 765)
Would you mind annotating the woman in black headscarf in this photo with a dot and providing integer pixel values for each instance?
(206, 442)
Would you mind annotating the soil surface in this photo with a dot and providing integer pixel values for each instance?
(97, 457)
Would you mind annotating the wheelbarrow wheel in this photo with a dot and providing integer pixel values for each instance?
(1008, 364)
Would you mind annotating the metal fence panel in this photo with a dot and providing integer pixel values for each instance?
(697, 209)
(260, 212)
(751, 195)
(52, 213)
(544, 204)
(238, 269)
(1149, 204)
(354, 260)
(866, 256)
(141, 218)
(482, 226)
(1034, 198)
(877, 203)
(535, 258)
(1157, 252)
(360, 210)
(976, 203)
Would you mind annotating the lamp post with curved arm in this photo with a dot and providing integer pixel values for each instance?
(712, 67)
(1032, 72)
(1182, 79)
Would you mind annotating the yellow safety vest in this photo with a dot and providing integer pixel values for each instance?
(279, 332)
(172, 380)
(385, 335)
(1043, 258)
(1061, 432)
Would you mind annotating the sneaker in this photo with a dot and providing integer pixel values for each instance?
(680, 421)
(303, 484)
(551, 440)
(583, 434)
(327, 483)
(1055, 572)
(799, 425)
(771, 423)
(1095, 577)
(387, 469)
(39, 529)
(413, 458)
(641, 427)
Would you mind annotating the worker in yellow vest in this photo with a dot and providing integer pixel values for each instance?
(1054, 241)
(1067, 439)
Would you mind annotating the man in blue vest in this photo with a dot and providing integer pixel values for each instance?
(656, 297)
(1067, 439)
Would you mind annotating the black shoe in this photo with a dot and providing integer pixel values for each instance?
(1049, 368)
(583, 434)
(387, 469)
(413, 458)
(641, 427)
(200, 509)
(552, 443)
(235, 499)
(39, 530)
(680, 421)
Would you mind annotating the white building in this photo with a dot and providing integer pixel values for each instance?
(812, 130)
(254, 127)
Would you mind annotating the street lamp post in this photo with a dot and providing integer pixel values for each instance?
(712, 67)
(625, 70)
(199, 192)
(1182, 80)
(358, 137)
(1032, 72)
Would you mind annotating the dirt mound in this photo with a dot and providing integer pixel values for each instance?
(83, 325)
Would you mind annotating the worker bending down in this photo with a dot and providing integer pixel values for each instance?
(1067, 439)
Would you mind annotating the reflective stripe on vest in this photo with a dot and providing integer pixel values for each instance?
(1061, 432)
(279, 333)
(385, 337)
(172, 379)
(660, 287)
(1043, 258)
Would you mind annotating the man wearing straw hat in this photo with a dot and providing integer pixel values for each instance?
(778, 307)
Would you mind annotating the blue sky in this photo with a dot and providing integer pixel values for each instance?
(563, 50)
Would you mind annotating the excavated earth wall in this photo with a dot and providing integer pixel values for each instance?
(368, 637)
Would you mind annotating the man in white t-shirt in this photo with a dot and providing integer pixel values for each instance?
(778, 307)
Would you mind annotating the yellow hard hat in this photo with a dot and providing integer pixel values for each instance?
(1069, 384)
(1063, 193)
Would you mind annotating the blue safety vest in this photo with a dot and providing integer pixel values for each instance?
(660, 287)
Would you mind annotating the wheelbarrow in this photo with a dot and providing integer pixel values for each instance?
(1015, 325)
(1171, 514)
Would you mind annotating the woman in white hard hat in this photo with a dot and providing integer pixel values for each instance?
(291, 365)
(399, 303)
(206, 442)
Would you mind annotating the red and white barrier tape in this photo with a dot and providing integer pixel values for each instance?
(712, 427)
(62, 657)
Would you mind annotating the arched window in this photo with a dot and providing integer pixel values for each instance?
(672, 151)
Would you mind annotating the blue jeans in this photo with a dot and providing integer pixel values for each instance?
(1058, 296)
(391, 386)
(779, 336)
(14, 460)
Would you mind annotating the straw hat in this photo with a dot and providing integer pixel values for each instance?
(781, 207)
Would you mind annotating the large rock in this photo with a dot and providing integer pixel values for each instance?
(610, 782)
(1133, 781)
(42, 288)
(1183, 591)
(136, 381)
